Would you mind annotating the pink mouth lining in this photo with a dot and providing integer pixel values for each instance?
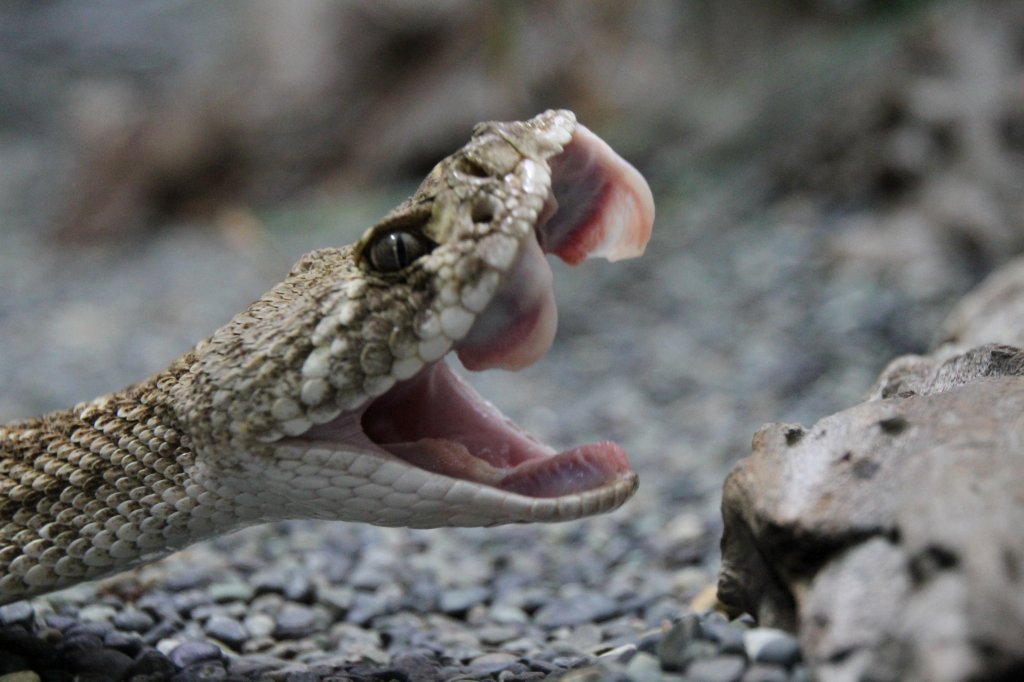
(439, 423)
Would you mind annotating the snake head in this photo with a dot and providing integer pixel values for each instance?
(335, 383)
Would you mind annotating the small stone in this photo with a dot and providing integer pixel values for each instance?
(96, 613)
(130, 645)
(644, 666)
(768, 645)
(192, 652)
(678, 659)
(586, 608)
(508, 614)
(133, 620)
(460, 600)
(235, 590)
(251, 665)
(98, 660)
(20, 676)
(338, 599)
(416, 666)
(590, 673)
(496, 634)
(728, 637)
(227, 630)
(674, 650)
(366, 607)
(81, 641)
(294, 622)
(717, 669)
(18, 613)
(489, 664)
(161, 631)
(185, 602)
(306, 676)
(764, 672)
(259, 625)
(15, 640)
(186, 580)
(59, 622)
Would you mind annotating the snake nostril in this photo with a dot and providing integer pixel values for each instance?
(484, 209)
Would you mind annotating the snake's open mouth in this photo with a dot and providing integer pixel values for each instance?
(597, 205)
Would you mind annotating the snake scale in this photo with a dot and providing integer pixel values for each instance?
(329, 397)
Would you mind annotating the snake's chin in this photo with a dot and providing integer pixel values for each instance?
(598, 205)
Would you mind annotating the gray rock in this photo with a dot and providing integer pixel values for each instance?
(768, 645)
(98, 660)
(18, 613)
(726, 668)
(586, 608)
(193, 652)
(295, 621)
(235, 590)
(259, 625)
(460, 600)
(227, 630)
(676, 648)
(727, 636)
(765, 672)
(133, 620)
(644, 666)
(891, 531)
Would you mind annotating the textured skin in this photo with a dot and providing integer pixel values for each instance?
(209, 444)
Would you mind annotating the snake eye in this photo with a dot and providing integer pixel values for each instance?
(394, 251)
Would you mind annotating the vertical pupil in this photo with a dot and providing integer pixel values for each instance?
(398, 248)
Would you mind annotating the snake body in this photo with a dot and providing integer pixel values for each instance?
(317, 401)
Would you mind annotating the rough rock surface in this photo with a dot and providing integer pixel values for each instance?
(889, 534)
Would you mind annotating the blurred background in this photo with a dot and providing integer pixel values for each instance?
(830, 175)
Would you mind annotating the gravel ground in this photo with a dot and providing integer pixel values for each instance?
(737, 326)
(760, 300)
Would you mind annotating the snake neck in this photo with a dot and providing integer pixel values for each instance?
(91, 490)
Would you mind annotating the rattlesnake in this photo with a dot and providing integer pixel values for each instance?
(329, 397)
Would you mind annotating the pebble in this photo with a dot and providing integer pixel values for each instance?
(133, 620)
(295, 621)
(20, 676)
(768, 645)
(644, 666)
(730, 638)
(458, 601)
(17, 613)
(98, 660)
(97, 613)
(194, 651)
(764, 672)
(235, 590)
(227, 630)
(587, 608)
(727, 668)
(682, 643)
(259, 625)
